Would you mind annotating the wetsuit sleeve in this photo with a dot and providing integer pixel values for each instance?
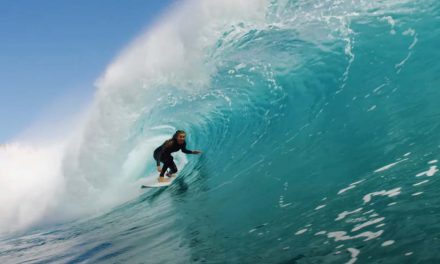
(185, 150)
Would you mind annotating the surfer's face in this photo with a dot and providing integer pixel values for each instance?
(181, 138)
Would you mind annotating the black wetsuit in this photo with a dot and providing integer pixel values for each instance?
(163, 154)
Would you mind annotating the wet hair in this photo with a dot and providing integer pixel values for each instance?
(178, 132)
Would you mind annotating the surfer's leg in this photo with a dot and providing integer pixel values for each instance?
(164, 169)
(167, 163)
(161, 176)
(173, 168)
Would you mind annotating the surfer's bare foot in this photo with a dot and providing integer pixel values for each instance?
(163, 179)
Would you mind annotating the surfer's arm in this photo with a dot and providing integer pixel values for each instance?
(158, 156)
(187, 151)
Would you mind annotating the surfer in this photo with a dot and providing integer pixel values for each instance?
(163, 154)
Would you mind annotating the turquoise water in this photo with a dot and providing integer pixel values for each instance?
(319, 122)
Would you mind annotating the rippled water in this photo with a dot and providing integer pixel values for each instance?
(319, 122)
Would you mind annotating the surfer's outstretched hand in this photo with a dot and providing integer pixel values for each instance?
(159, 169)
(197, 152)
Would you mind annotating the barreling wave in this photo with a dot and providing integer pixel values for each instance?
(306, 112)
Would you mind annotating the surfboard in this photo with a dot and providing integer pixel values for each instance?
(153, 182)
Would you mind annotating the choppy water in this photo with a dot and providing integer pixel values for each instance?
(319, 122)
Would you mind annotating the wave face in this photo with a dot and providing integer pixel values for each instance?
(319, 123)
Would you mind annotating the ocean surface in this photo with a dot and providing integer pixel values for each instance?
(319, 123)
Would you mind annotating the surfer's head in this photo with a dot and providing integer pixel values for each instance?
(179, 136)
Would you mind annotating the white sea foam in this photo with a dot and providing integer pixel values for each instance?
(346, 213)
(346, 189)
(420, 183)
(368, 223)
(387, 243)
(389, 166)
(353, 254)
(430, 172)
(320, 206)
(342, 235)
(301, 231)
(29, 183)
(351, 186)
(371, 108)
(391, 193)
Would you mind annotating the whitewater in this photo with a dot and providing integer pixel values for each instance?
(319, 125)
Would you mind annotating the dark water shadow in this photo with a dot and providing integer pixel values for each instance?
(90, 253)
